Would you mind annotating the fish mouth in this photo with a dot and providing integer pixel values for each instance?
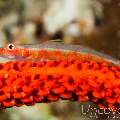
(7, 58)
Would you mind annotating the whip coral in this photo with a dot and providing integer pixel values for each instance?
(82, 78)
(27, 82)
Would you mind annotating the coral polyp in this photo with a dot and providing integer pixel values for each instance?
(28, 82)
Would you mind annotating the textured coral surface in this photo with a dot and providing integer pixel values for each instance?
(27, 82)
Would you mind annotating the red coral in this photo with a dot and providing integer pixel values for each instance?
(27, 82)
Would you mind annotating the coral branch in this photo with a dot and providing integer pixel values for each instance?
(27, 82)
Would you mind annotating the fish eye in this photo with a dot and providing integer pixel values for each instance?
(11, 46)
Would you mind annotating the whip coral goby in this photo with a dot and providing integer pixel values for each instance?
(49, 72)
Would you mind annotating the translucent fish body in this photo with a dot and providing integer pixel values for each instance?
(55, 51)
